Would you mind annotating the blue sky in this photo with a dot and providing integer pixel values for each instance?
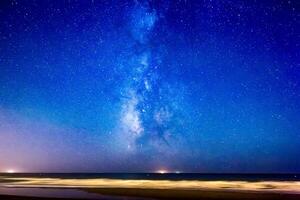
(135, 86)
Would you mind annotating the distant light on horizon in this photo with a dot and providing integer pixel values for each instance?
(10, 171)
(162, 171)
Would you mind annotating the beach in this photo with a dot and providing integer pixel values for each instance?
(18, 187)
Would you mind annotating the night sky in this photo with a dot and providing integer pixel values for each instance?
(141, 86)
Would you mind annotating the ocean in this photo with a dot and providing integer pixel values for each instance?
(165, 176)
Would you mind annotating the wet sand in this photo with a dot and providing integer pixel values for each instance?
(59, 193)
(194, 194)
(126, 194)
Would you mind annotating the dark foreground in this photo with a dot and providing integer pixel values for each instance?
(128, 194)
(193, 194)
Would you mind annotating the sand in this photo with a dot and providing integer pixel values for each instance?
(173, 194)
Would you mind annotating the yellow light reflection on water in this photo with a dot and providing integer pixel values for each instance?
(259, 186)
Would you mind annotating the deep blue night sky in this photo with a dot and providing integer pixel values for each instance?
(136, 86)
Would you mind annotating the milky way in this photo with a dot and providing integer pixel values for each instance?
(137, 83)
(149, 106)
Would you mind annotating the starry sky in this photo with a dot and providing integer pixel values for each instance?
(147, 85)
